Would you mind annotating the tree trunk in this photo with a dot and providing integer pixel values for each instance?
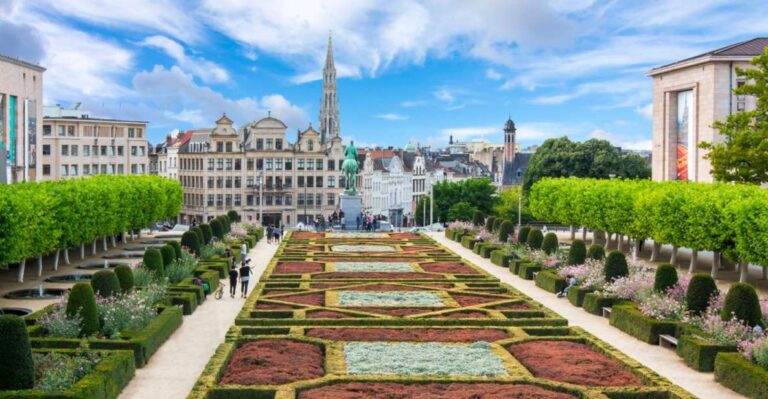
(56, 260)
(139, 233)
(584, 234)
(114, 242)
(608, 237)
(694, 258)
(673, 258)
(636, 250)
(22, 266)
(39, 265)
(104, 242)
(655, 251)
(124, 237)
(82, 250)
(131, 234)
(93, 247)
(765, 273)
(619, 242)
(743, 272)
(66, 255)
(573, 233)
(715, 265)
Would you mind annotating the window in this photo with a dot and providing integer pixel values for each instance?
(309, 199)
(318, 164)
(288, 199)
(279, 144)
(228, 164)
(87, 169)
(269, 163)
(331, 181)
(86, 152)
(210, 199)
(249, 181)
(46, 130)
(331, 164)
(300, 182)
(299, 199)
(238, 181)
(133, 150)
(46, 149)
(288, 164)
(131, 132)
(319, 181)
(331, 198)
(133, 169)
(288, 182)
(95, 150)
(278, 199)
(120, 169)
(219, 147)
(210, 181)
(65, 150)
(249, 164)
(318, 200)
(142, 150)
(249, 200)
(219, 200)
(228, 182)
(229, 147)
(310, 145)
(310, 164)
(279, 164)
(238, 199)
(210, 163)
(219, 182)
(259, 144)
(259, 164)
(219, 164)
(120, 151)
(71, 131)
(73, 170)
(60, 130)
(269, 144)
(46, 170)
(228, 200)
(310, 181)
(139, 132)
(301, 165)
(73, 150)
(238, 164)
(741, 100)
(64, 170)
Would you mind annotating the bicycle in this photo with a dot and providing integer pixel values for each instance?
(219, 291)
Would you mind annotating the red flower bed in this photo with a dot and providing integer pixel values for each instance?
(408, 334)
(462, 315)
(471, 300)
(367, 257)
(273, 362)
(272, 306)
(397, 312)
(448, 267)
(313, 299)
(572, 362)
(329, 314)
(511, 306)
(299, 267)
(382, 276)
(389, 390)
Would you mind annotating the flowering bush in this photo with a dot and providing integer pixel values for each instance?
(238, 231)
(213, 249)
(250, 228)
(55, 371)
(756, 350)
(60, 325)
(142, 277)
(132, 310)
(461, 225)
(181, 268)
(486, 236)
(552, 260)
(662, 307)
(588, 275)
(764, 307)
(633, 287)
(731, 332)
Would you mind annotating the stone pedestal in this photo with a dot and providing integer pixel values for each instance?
(352, 205)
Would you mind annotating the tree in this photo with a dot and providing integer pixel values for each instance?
(507, 206)
(634, 166)
(461, 211)
(422, 210)
(743, 154)
(478, 193)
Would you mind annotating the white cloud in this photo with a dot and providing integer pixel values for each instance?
(444, 95)
(392, 117)
(625, 91)
(413, 103)
(625, 143)
(492, 74)
(206, 70)
(646, 111)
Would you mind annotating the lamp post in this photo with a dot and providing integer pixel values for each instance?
(519, 207)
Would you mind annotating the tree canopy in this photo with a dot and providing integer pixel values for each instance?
(477, 193)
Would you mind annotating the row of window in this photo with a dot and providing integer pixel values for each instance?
(258, 164)
(271, 182)
(95, 169)
(227, 200)
(94, 131)
(276, 144)
(95, 150)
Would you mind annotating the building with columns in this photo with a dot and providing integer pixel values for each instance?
(688, 97)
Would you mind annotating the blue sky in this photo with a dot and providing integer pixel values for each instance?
(408, 70)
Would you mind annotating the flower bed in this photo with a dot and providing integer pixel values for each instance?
(385, 267)
(274, 362)
(628, 318)
(389, 390)
(362, 248)
(408, 334)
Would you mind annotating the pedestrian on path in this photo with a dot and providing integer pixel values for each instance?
(277, 235)
(245, 276)
(269, 234)
(243, 252)
(233, 280)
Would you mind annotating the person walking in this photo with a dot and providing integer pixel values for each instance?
(243, 252)
(233, 280)
(245, 276)
(269, 234)
(277, 235)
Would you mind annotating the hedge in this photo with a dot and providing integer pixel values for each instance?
(550, 281)
(576, 295)
(628, 318)
(501, 258)
(468, 242)
(16, 370)
(700, 354)
(187, 300)
(741, 375)
(594, 303)
(487, 249)
(516, 264)
(527, 269)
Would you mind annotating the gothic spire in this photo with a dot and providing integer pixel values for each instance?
(329, 102)
(329, 54)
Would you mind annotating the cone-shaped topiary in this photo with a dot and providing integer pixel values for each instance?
(666, 277)
(105, 283)
(489, 223)
(227, 223)
(16, 368)
(550, 244)
(190, 240)
(742, 303)
(522, 238)
(217, 229)
(578, 253)
(505, 230)
(478, 219)
(153, 260)
(535, 239)
(82, 302)
(176, 249)
(700, 290)
(199, 233)
(497, 224)
(168, 254)
(233, 216)
(125, 276)
(615, 266)
(596, 252)
(207, 233)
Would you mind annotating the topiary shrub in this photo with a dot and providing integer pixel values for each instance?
(578, 253)
(497, 224)
(168, 254)
(596, 252)
(227, 223)
(176, 248)
(217, 229)
(700, 290)
(522, 238)
(489, 223)
(742, 303)
(124, 275)
(615, 266)
(82, 302)
(550, 244)
(233, 216)
(199, 233)
(207, 233)
(535, 239)
(190, 240)
(477, 218)
(505, 230)
(16, 369)
(666, 277)
(153, 260)
(105, 283)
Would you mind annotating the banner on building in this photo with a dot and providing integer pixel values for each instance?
(684, 124)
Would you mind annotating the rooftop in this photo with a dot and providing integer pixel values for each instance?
(746, 49)
(22, 63)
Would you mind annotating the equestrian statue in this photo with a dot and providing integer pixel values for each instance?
(349, 167)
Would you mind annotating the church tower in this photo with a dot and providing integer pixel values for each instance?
(509, 140)
(329, 103)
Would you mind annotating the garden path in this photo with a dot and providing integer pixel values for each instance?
(663, 361)
(173, 370)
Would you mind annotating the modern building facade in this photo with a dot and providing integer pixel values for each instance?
(21, 111)
(688, 97)
(73, 144)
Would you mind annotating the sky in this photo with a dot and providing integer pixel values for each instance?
(409, 71)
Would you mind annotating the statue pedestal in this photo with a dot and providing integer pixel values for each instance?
(352, 205)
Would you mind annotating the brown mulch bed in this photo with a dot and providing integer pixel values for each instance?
(313, 299)
(364, 259)
(448, 267)
(299, 267)
(272, 306)
(397, 312)
(383, 276)
(273, 362)
(471, 300)
(277, 292)
(392, 390)
(408, 334)
(328, 314)
(406, 236)
(322, 286)
(572, 362)
(307, 235)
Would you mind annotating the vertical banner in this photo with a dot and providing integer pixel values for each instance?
(31, 125)
(684, 125)
(12, 116)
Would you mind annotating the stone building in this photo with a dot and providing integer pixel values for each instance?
(688, 97)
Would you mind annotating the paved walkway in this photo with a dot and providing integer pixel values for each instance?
(174, 368)
(663, 361)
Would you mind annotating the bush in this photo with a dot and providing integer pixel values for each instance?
(176, 248)
(199, 233)
(742, 303)
(216, 229)
(233, 216)
(500, 258)
(477, 218)
(16, 368)
(189, 239)
(168, 254)
(596, 252)
(615, 266)
(105, 283)
(505, 230)
(153, 260)
(737, 373)
(226, 222)
(550, 244)
(666, 277)
(578, 253)
(489, 223)
(548, 280)
(700, 290)
(497, 224)
(699, 354)
(577, 295)
(82, 302)
(535, 239)
(594, 302)
(207, 233)
(628, 318)
(522, 238)
(125, 277)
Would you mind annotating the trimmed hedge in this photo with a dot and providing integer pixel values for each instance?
(535, 239)
(700, 291)
(478, 219)
(125, 277)
(487, 249)
(169, 255)
(505, 230)
(216, 229)
(16, 368)
(522, 238)
(190, 240)
(207, 233)
(576, 295)
(627, 317)
(742, 303)
(596, 252)
(199, 233)
(666, 277)
(516, 264)
(500, 258)
(550, 244)
(176, 248)
(741, 375)
(153, 260)
(489, 223)
(698, 353)
(549, 280)
(180, 297)
(468, 242)
(615, 266)
(527, 269)
(233, 215)
(594, 303)
(82, 302)
(577, 254)
(105, 283)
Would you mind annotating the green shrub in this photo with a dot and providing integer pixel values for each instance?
(176, 247)
(578, 253)
(468, 242)
(577, 295)
(477, 218)
(105, 283)
(168, 254)
(497, 224)
(82, 302)
(526, 270)
(217, 229)
(550, 281)
(500, 258)
(535, 239)
(489, 223)
(700, 291)
(735, 372)
(628, 318)
(153, 260)
(666, 277)
(550, 244)
(522, 238)
(742, 303)
(199, 233)
(16, 368)
(698, 353)
(233, 216)
(207, 233)
(190, 240)
(505, 230)
(124, 275)
(596, 252)
(226, 222)
(615, 266)
(594, 303)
